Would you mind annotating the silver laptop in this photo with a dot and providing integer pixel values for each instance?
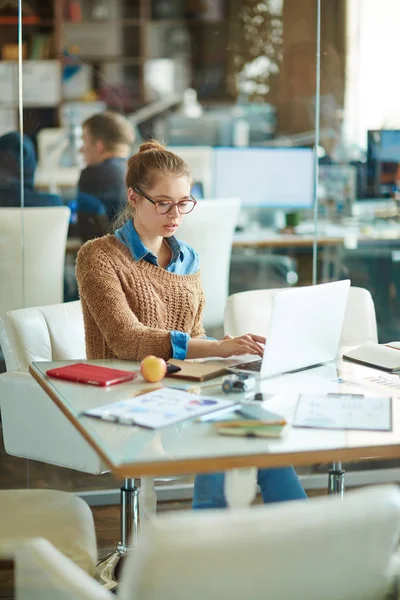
(304, 329)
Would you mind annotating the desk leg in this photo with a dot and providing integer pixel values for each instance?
(107, 570)
(336, 480)
(331, 263)
(148, 498)
(240, 487)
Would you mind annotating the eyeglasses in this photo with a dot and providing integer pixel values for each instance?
(163, 207)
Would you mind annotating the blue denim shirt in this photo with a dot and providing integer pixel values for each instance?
(184, 261)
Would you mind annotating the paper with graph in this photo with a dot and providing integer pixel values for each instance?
(344, 411)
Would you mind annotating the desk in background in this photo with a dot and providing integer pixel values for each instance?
(257, 245)
(56, 179)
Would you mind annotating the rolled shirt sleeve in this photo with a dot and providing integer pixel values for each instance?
(179, 343)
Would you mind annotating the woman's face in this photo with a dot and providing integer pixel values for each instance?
(165, 188)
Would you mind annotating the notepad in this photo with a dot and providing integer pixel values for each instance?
(199, 370)
(159, 408)
(344, 411)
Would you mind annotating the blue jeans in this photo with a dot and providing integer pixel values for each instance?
(277, 485)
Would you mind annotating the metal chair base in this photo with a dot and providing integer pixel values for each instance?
(107, 569)
(336, 480)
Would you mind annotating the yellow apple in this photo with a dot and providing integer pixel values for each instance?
(153, 368)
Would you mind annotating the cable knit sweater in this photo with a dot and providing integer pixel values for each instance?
(129, 307)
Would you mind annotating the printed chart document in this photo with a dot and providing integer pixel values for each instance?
(344, 411)
(159, 408)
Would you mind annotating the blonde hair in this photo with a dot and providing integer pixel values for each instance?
(151, 160)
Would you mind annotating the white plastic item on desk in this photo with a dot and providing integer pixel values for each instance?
(241, 133)
(375, 355)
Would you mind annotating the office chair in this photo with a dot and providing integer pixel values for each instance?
(93, 220)
(32, 274)
(92, 225)
(251, 311)
(291, 549)
(33, 426)
(210, 229)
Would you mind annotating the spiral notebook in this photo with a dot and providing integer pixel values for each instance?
(159, 408)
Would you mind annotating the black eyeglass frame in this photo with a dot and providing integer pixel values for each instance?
(172, 204)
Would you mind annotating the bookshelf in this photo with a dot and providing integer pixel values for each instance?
(107, 47)
(41, 69)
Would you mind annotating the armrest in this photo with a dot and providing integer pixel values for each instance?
(43, 573)
(35, 428)
(393, 577)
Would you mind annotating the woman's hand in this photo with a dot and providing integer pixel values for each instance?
(244, 344)
(229, 346)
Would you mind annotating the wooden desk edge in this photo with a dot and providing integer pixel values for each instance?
(222, 463)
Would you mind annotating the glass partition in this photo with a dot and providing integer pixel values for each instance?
(358, 181)
(278, 102)
(223, 83)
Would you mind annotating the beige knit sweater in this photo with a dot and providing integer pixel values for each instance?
(129, 307)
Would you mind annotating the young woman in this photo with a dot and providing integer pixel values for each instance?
(141, 294)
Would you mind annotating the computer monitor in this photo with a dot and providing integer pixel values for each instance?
(337, 184)
(383, 159)
(197, 190)
(200, 161)
(265, 177)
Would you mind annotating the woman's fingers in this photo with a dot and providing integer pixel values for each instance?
(255, 345)
(249, 347)
(256, 338)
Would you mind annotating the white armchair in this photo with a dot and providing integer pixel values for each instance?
(250, 312)
(33, 426)
(62, 518)
(210, 229)
(32, 273)
(310, 550)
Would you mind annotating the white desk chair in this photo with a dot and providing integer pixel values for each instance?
(210, 229)
(32, 250)
(310, 550)
(33, 426)
(250, 312)
(61, 517)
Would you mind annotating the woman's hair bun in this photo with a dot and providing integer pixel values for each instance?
(152, 145)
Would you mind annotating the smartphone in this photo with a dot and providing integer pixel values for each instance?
(256, 412)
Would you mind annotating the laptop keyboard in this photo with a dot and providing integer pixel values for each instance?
(254, 365)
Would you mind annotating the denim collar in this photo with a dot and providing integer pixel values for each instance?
(128, 235)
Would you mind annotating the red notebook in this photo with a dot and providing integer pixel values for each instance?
(91, 374)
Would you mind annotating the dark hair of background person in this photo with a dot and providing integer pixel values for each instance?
(11, 178)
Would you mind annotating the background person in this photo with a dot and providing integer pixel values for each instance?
(107, 140)
(12, 180)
